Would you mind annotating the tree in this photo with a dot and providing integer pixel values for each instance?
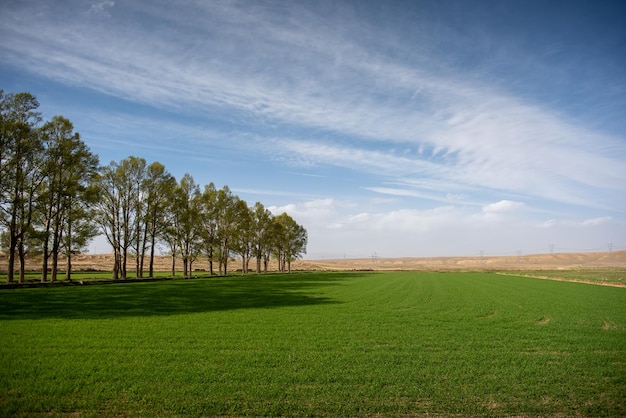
(158, 183)
(171, 232)
(290, 241)
(261, 234)
(20, 177)
(137, 177)
(68, 167)
(187, 210)
(241, 242)
(118, 207)
(226, 224)
(209, 223)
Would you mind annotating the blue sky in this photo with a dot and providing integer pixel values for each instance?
(415, 128)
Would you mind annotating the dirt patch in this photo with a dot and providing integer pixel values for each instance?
(543, 320)
(564, 279)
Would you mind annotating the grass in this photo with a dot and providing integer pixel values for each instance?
(316, 344)
(35, 276)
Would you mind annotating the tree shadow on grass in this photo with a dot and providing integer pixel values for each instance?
(170, 297)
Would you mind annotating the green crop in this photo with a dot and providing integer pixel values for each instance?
(316, 344)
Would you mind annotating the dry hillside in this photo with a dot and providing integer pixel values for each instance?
(526, 262)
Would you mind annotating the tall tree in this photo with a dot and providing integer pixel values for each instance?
(242, 233)
(68, 167)
(158, 184)
(226, 224)
(291, 241)
(117, 208)
(209, 223)
(136, 169)
(261, 233)
(187, 209)
(172, 228)
(20, 177)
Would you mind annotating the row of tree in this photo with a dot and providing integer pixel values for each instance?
(54, 198)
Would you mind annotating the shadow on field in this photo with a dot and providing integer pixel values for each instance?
(169, 297)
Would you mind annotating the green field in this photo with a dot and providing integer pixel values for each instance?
(316, 344)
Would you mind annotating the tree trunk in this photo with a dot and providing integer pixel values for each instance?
(137, 265)
(124, 262)
(44, 265)
(11, 266)
(56, 244)
(151, 268)
(68, 267)
(55, 265)
(173, 265)
(143, 249)
(12, 247)
(46, 243)
(46, 251)
(22, 256)
(116, 263)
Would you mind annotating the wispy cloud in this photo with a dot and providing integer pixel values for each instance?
(293, 73)
(101, 7)
(308, 86)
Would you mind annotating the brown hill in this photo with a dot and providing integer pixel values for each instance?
(527, 262)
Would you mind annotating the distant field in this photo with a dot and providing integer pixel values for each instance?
(316, 344)
(90, 263)
(601, 275)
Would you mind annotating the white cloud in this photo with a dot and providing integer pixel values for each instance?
(448, 230)
(597, 221)
(313, 212)
(502, 206)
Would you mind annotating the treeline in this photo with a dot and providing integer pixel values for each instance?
(55, 198)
